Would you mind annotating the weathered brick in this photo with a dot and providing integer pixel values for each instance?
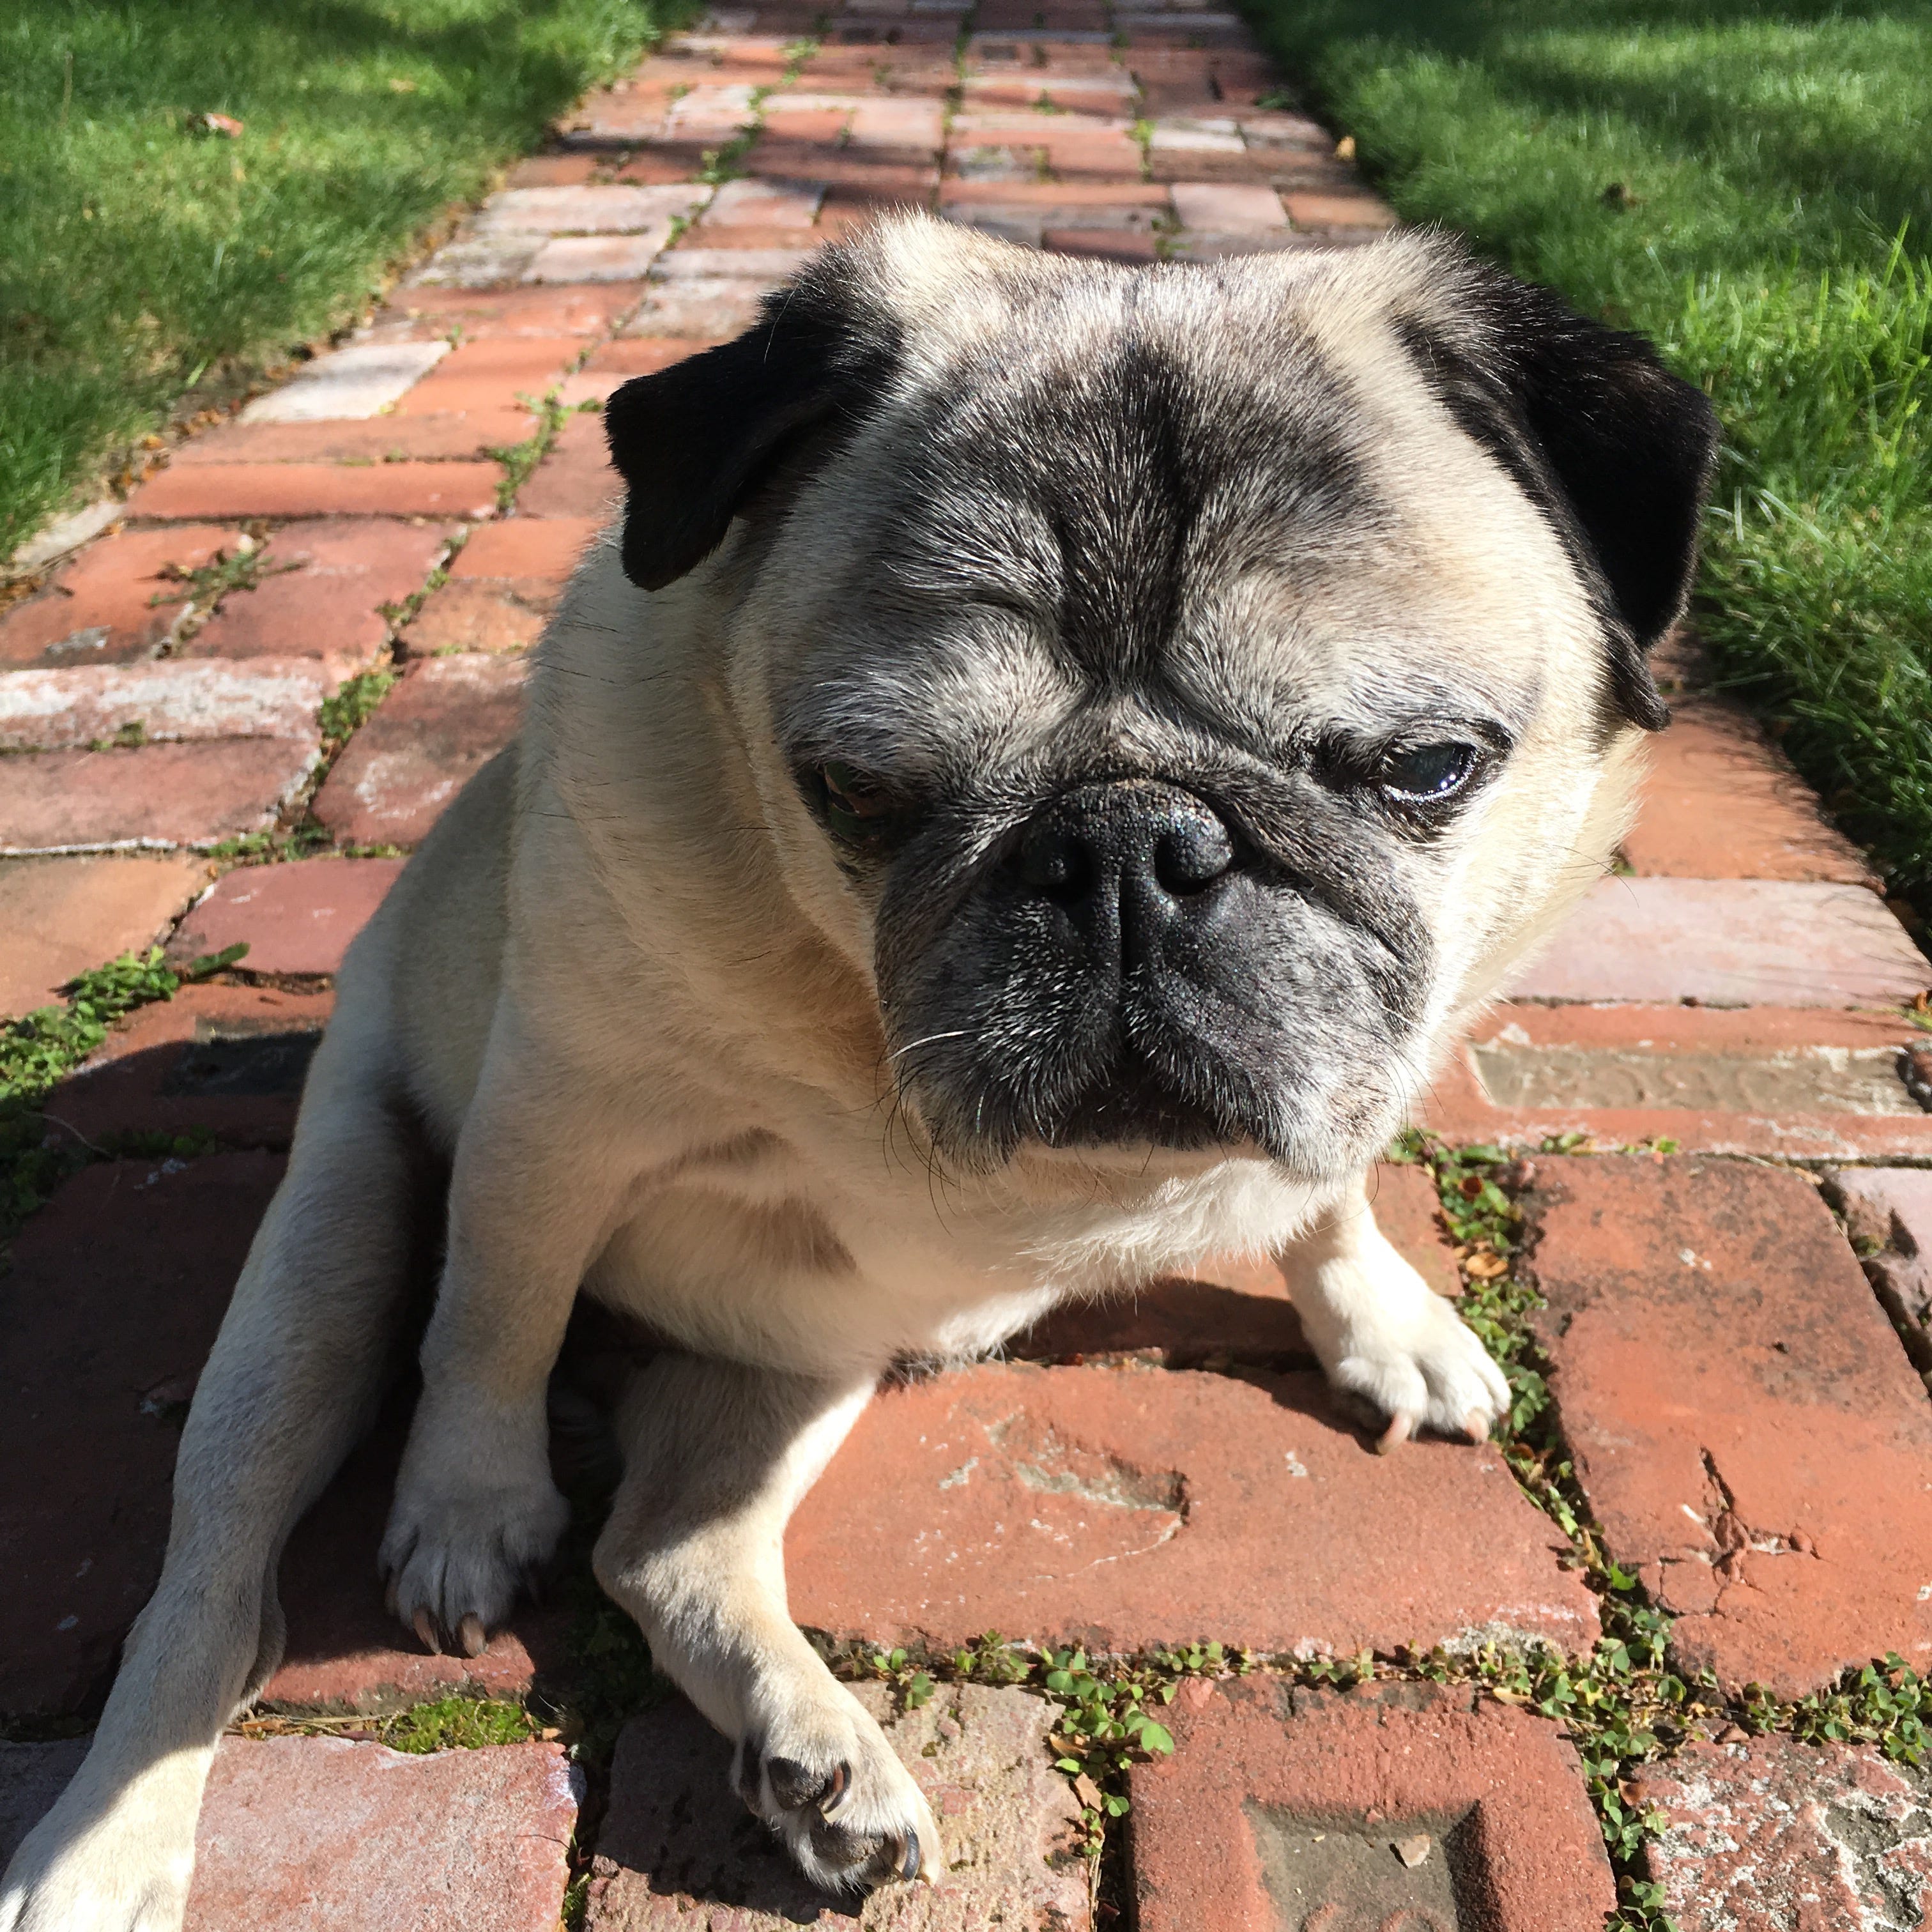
(295, 918)
(62, 916)
(478, 262)
(330, 604)
(115, 602)
(159, 795)
(613, 210)
(575, 480)
(1888, 1211)
(219, 1058)
(772, 265)
(116, 1289)
(1754, 1080)
(1103, 244)
(1721, 803)
(1228, 207)
(170, 699)
(597, 258)
(552, 171)
(711, 310)
(195, 492)
(1125, 1508)
(325, 1835)
(460, 432)
(1288, 1810)
(1745, 1424)
(448, 717)
(1730, 942)
(766, 203)
(678, 1848)
(356, 381)
(1777, 1836)
(526, 548)
(504, 583)
(490, 315)
(1337, 211)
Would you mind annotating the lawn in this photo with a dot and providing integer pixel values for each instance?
(1750, 184)
(138, 258)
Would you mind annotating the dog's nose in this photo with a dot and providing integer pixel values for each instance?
(1135, 852)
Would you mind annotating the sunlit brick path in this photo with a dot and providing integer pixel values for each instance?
(236, 701)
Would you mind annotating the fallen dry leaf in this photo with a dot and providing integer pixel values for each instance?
(225, 125)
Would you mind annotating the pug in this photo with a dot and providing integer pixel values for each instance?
(1053, 759)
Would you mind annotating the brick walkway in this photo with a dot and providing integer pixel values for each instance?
(1713, 1086)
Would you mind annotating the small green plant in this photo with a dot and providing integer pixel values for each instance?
(520, 459)
(349, 706)
(241, 568)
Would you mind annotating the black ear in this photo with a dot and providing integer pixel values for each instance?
(693, 441)
(1616, 451)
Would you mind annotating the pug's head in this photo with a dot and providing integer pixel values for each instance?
(1183, 687)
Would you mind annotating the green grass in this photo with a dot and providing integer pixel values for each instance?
(1747, 182)
(141, 258)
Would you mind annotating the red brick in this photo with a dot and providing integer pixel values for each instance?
(330, 606)
(1281, 1810)
(31, 1777)
(296, 918)
(1721, 803)
(487, 315)
(1750, 1434)
(751, 203)
(323, 1834)
(1728, 942)
(471, 433)
(575, 480)
(1756, 1080)
(491, 374)
(117, 1288)
(1049, 196)
(445, 720)
(101, 608)
(193, 794)
(1777, 1836)
(1228, 207)
(198, 490)
(1125, 1508)
(596, 258)
(218, 1058)
(678, 1849)
(62, 916)
(481, 613)
(709, 308)
(60, 710)
(552, 171)
(1236, 1309)
(546, 548)
(1103, 244)
(1337, 211)
(644, 354)
(1888, 1212)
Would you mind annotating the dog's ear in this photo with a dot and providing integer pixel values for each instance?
(693, 441)
(1616, 451)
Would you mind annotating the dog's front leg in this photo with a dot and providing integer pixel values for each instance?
(540, 1166)
(716, 1458)
(1384, 1336)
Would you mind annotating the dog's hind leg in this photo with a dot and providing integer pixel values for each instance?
(296, 1372)
(716, 1458)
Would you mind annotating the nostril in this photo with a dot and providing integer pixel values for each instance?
(1052, 860)
(1192, 853)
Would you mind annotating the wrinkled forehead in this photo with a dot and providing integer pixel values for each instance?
(1230, 499)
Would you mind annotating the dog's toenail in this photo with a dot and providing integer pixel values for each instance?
(425, 1628)
(1477, 1426)
(839, 1795)
(1395, 1435)
(909, 1858)
(474, 1641)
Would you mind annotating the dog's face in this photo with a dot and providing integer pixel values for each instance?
(1179, 686)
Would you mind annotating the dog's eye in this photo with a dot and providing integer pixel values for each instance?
(856, 808)
(1424, 774)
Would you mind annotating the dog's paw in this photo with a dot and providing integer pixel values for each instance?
(821, 1773)
(98, 1880)
(458, 1559)
(1418, 1366)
